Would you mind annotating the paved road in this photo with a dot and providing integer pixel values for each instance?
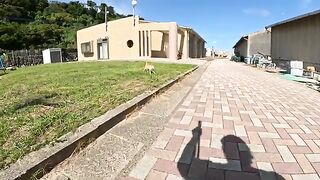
(114, 153)
(238, 122)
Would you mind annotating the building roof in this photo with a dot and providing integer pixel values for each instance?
(295, 18)
(245, 37)
(241, 39)
(193, 31)
(183, 27)
(146, 21)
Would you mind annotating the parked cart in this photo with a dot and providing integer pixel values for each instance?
(263, 61)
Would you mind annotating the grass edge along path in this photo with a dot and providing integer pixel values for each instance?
(41, 103)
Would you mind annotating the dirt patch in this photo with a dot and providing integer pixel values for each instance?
(42, 110)
(18, 134)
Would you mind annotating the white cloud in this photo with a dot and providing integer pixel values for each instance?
(259, 12)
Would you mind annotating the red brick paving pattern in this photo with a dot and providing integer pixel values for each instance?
(278, 119)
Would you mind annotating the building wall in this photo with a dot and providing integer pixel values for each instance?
(159, 44)
(119, 32)
(180, 42)
(192, 47)
(260, 42)
(298, 40)
(150, 39)
(242, 48)
(196, 47)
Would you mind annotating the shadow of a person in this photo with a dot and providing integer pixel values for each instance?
(233, 169)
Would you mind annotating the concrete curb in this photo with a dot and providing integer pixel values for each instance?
(36, 164)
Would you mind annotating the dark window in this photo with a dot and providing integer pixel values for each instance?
(86, 47)
(130, 43)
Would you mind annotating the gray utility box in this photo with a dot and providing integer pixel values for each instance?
(53, 55)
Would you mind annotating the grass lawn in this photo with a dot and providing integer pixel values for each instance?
(41, 103)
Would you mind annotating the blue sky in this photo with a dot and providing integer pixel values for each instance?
(220, 22)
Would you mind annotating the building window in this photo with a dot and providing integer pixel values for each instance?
(86, 47)
(130, 43)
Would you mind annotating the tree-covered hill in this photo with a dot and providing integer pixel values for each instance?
(29, 24)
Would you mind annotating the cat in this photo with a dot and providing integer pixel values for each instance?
(149, 68)
(311, 69)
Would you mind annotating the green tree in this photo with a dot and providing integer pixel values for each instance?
(41, 5)
(40, 24)
(33, 6)
(61, 19)
(75, 8)
(91, 4)
(55, 7)
(11, 36)
(13, 9)
(92, 8)
(85, 19)
(43, 35)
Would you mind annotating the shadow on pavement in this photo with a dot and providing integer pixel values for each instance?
(232, 169)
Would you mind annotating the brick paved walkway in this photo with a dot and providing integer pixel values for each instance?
(239, 123)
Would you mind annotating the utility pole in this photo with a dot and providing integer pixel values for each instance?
(106, 17)
(212, 52)
(134, 4)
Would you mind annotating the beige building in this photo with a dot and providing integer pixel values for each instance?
(241, 47)
(297, 39)
(139, 39)
(254, 43)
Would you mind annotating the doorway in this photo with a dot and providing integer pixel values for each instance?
(103, 49)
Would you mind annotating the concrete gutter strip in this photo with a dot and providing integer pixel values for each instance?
(36, 164)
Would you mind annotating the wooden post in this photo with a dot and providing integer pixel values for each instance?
(12, 56)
